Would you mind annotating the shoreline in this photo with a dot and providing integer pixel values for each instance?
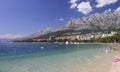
(68, 43)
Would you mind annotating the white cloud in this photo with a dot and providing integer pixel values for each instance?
(12, 36)
(84, 7)
(109, 10)
(118, 9)
(61, 19)
(73, 4)
(101, 3)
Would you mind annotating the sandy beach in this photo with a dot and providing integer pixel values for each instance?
(115, 67)
(105, 63)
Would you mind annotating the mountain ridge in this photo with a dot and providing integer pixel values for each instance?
(101, 21)
(106, 21)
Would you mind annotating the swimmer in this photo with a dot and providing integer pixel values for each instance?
(42, 47)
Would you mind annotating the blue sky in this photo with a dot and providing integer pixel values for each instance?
(29, 16)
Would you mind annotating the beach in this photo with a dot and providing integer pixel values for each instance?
(115, 67)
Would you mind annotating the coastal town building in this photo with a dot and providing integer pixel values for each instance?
(79, 36)
(87, 36)
(51, 37)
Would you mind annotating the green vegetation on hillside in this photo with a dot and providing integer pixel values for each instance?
(110, 39)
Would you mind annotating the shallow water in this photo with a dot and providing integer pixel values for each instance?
(37, 57)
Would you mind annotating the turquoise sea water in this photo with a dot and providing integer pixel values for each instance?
(38, 57)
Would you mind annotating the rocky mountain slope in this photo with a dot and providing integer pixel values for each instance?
(104, 21)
